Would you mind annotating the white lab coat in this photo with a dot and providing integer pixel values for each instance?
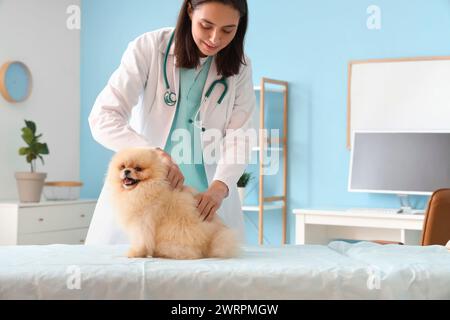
(130, 111)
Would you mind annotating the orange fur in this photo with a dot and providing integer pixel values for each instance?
(161, 221)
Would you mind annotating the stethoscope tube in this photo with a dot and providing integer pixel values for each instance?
(170, 97)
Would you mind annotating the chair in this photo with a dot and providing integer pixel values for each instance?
(436, 228)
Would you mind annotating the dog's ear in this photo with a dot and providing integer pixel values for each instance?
(164, 162)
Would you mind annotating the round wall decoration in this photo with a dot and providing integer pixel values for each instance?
(15, 81)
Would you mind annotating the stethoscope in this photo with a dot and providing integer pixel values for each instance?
(170, 97)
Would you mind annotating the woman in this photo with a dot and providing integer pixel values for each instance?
(194, 79)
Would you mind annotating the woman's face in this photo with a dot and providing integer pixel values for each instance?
(214, 26)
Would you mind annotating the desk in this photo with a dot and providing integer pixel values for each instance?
(322, 226)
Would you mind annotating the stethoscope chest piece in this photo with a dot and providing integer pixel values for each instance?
(170, 98)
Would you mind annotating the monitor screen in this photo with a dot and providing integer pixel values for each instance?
(400, 162)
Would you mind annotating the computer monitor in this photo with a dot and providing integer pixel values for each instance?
(402, 163)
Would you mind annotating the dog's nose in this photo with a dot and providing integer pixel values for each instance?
(127, 172)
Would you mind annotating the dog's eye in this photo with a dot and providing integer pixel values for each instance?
(122, 167)
(138, 169)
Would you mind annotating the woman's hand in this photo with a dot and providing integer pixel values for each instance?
(210, 201)
(174, 174)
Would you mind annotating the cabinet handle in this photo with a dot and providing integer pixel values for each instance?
(82, 241)
(82, 215)
(41, 219)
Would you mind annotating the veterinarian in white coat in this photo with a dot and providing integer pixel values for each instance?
(138, 106)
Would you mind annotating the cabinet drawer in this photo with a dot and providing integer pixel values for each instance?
(53, 218)
(76, 236)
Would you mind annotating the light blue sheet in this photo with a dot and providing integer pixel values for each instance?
(337, 271)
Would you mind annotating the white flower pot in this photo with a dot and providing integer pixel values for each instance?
(241, 192)
(29, 185)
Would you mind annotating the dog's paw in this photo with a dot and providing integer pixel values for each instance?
(133, 253)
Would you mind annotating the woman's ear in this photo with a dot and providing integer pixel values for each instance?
(190, 10)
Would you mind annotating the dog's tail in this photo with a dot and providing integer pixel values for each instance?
(224, 244)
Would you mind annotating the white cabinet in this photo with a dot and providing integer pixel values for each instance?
(52, 222)
(323, 226)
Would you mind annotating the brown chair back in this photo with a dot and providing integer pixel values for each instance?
(436, 227)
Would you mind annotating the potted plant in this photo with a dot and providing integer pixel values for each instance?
(30, 184)
(242, 184)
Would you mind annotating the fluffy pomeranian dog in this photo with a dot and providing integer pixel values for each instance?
(159, 220)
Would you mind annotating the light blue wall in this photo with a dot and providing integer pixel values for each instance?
(307, 43)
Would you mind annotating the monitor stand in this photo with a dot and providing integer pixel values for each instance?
(405, 205)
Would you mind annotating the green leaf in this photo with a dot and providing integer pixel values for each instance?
(27, 135)
(30, 157)
(35, 149)
(42, 148)
(23, 151)
(31, 125)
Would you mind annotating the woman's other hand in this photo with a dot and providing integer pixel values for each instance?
(210, 201)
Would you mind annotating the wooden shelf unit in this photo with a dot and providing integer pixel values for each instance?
(265, 203)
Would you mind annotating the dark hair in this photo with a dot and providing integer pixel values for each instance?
(229, 59)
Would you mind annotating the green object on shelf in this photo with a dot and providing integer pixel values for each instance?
(244, 179)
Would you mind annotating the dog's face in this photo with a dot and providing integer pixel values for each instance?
(131, 167)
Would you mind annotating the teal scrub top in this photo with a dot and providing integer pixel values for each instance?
(192, 82)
